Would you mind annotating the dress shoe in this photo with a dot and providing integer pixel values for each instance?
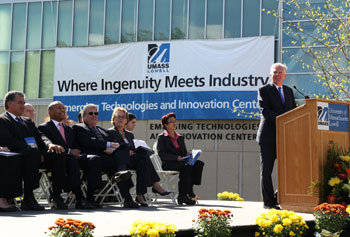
(183, 199)
(93, 203)
(59, 204)
(122, 176)
(130, 204)
(272, 207)
(143, 204)
(9, 209)
(31, 205)
(84, 204)
(160, 193)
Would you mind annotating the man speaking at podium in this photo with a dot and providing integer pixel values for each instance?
(274, 100)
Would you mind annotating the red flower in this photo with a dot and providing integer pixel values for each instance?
(348, 171)
(331, 198)
(342, 176)
(337, 166)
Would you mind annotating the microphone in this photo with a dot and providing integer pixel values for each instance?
(305, 96)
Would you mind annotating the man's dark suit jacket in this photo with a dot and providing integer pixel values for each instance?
(167, 151)
(271, 106)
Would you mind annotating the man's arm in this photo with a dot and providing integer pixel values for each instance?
(265, 105)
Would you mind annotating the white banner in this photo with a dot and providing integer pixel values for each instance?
(193, 78)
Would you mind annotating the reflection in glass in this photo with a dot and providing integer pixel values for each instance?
(112, 21)
(145, 20)
(80, 23)
(214, 19)
(179, 19)
(46, 74)
(4, 60)
(162, 21)
(17, 71)
(5, 29)
(18, 26)
(96, 22)
(34, 24)
(31, 79)
(251, 16)
(129, 21)
(196, 27)
(232, 18)
(49, 25)
(269, 21)
(65, 23)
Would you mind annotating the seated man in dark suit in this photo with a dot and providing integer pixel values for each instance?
(61, 134)
(20, 135)
(94, 141)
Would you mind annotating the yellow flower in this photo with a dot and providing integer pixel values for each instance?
(257, 234)
(278, 228)
(291, 233)
(274, 219)
(348, 209)
(345, 158)
(334, 181)
(286, 222)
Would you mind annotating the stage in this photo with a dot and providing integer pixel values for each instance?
(114, 220)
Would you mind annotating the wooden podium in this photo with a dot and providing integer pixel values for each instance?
(302, 144)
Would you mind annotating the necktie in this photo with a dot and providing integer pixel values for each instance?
(62, 132)
(97, 133)
(281, 95)
(19, 120)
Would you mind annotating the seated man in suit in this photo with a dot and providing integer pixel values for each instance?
(94, 141)
(61, 134)
(20, 135)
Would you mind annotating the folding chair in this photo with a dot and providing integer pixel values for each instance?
(168, 177)
(45, 186)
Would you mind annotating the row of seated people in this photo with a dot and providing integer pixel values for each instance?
(65, 151)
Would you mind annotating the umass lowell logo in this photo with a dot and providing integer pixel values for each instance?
(322, 114)
(158, 58)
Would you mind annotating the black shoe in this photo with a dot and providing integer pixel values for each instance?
(143, 204)
(122, 176)
(93, 203)
(9, 209)
(31, 205)
(183, 199)
(84, 204)
(272, 207)
(59, 204)
(131, 204)
(161, 194)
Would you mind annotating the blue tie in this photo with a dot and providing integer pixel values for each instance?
(281, 95)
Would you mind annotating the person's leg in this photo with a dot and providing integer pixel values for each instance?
(267, 159)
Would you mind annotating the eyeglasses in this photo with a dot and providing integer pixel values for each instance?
(120, 116)
(93, 113)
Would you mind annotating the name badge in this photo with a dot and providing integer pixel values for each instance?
(31, 142)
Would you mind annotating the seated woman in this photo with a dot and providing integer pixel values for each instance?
(140, 161)
(171, 149)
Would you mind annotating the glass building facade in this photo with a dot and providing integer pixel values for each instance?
(30, 30)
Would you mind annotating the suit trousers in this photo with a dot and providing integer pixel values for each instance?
(267, 161)
(189, 175)
(146, 174)
(30, 170)
(73, 175)
(10, 176)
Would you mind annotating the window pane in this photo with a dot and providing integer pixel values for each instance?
(46, 74)
(251, 16)
(162, 21)
(96, 22)
(196, 28)
(269, 21)
(34, 24)
(4, 64)
(80, 23)
(214, 19)
(65, 23)
(179, 21)
(31, 81)
(112, 22)
(145, 24)
(5, 29)
(18, 26)
(49, 25)
(233, 19)
(129, 21)
(17, 71)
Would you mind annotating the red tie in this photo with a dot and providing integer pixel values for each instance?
(62, 132)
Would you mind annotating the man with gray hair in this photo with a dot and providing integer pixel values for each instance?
(274, 100)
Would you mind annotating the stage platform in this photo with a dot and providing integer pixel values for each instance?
(114, 220)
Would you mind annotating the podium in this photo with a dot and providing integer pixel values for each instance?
(303, 136)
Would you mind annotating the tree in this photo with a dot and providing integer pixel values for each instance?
(320, 28)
